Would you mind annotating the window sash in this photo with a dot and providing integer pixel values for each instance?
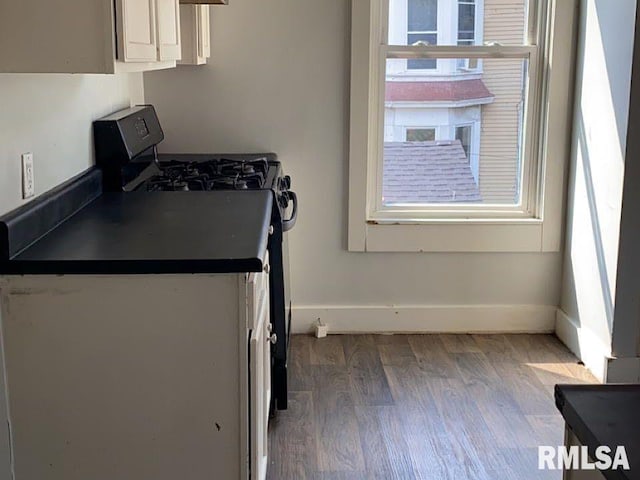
(464, 5)
(530, 207)
(458, 51)
(529, 178)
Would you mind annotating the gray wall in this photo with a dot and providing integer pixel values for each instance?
(50, 115)
(598, 164)
(279, 80)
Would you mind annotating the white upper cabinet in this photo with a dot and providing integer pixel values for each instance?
(137, 30)
(196, 34)
(168, 30)
(204, 24)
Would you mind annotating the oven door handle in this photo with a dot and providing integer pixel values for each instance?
(289, 224)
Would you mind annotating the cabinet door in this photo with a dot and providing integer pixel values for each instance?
(204, 31)
(266, 397)
(259, 359)
(136, 26)
(169, 30)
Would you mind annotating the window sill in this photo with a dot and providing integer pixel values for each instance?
(455, 221)
(490, 236)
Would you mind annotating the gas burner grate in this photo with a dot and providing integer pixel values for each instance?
(215, 174)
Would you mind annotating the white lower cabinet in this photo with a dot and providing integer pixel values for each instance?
(260, 390)
(152, 377)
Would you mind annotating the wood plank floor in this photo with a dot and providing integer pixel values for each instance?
(434, 407)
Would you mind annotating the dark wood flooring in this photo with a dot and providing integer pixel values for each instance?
(438, 407)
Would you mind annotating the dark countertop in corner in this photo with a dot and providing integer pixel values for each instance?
(604, 415)
(153, 232)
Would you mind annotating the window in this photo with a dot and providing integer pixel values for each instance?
(498, 98)
(467, 30)
(502, 129)
(421, 134)
(463, 134)
(466, 22)
(422, 29)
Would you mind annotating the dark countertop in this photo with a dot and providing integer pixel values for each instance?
(604, 415)
(155, 232)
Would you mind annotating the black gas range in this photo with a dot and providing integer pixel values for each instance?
(126, 152)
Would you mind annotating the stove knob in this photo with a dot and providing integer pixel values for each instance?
(283, 200)
(285, 183)
(270, 229)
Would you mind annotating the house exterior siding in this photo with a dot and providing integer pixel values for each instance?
(504, 22)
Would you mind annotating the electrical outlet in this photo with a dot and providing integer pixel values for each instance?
(28, 184)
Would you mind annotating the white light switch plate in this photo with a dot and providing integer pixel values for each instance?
(28, 184)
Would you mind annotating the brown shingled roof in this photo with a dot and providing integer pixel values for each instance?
(427, 172)
(449, 91)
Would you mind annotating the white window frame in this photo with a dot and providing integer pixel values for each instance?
(536, 225)
(478, 31)
(447, 34)
(436, 32)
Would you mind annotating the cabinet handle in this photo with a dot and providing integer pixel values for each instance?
(273, 339)
(267, 268)
(270, 328)
(270, 229)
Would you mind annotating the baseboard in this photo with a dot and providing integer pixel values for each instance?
(584, 344)
(427, 319)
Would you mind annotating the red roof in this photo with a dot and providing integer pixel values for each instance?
(449, 91)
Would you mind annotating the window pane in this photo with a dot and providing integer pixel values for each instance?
(466, 17)
(423, 15)
(463, 134)
(500, 21)
(421, 134)
(422, 39)
(477, 156)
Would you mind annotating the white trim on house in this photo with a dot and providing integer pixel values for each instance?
(430, 104)
(426, 318)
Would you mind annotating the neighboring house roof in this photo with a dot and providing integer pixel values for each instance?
(428, 172)
(435, 91)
